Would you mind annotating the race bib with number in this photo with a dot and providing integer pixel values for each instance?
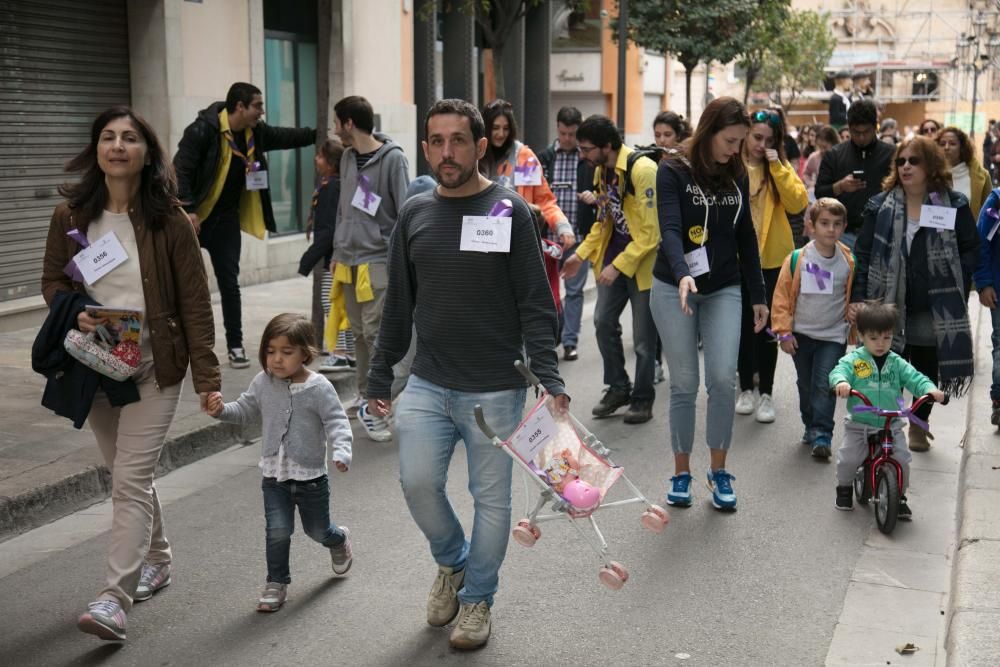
(485, 233)
(100, 258)
(537, 429)
(367, 202)
(528, 175)
(697, 261)
(257, 180)
(937, 217)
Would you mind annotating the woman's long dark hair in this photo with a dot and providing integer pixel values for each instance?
(157, 192)
(494, 156)
(776, 121)
(720, 113)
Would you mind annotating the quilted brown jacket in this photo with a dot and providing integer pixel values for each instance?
(174, 285)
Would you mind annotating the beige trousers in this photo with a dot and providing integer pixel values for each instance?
(130, 439)
(365, 319)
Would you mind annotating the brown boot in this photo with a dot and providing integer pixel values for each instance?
(919, 439)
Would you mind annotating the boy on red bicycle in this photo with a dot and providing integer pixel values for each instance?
(877, 372)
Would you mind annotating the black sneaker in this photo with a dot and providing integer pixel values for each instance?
(845, 498)
(904, 513)
(639, 412)
(614, 398)
(238, 358)
(570, 353)
(995, 416)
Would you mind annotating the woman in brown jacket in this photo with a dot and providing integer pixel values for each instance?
(127, 187)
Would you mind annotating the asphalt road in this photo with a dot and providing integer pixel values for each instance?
(764, 585)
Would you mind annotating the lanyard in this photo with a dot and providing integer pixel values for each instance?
(315, 198)
(248, 161)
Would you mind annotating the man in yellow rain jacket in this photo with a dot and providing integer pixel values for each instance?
(621, 246)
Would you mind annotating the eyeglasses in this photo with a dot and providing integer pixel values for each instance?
(585, 149)
(769, 117)
(913, 160)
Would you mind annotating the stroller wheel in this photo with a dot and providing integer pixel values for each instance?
(525, 533)
(655, 519)
(614, 576)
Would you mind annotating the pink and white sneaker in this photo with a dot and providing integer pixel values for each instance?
(104, 618)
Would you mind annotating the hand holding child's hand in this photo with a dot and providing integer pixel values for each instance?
(843, 390)
(214, 404)
(789, 345)
(938, 395)
(340, 465)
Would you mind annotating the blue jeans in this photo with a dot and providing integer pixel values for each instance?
(995, 388)
(573, 305)
(611, 302)
(717, 317)
(814, 359)
(430, 420)
(280, 499)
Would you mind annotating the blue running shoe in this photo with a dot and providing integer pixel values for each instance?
(723, 496)
(821, 447)
(680, 490)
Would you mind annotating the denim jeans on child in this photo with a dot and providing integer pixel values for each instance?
(814, 359)
(995, 388)
(717, 316)
(430, 420)
(611, 302)
(280, 499)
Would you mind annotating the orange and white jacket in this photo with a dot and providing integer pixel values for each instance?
(786, 294)
(523, 158)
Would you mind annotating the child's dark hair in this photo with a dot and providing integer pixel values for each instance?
(875, 317)
(296, 328)
(332, 150)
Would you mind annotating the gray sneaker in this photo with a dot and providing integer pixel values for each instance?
(272, 597)
(473, 627)
(343, 556)
(104, 618)
(442, 602)
(152, 579)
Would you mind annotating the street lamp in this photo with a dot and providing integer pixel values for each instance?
(971, 54)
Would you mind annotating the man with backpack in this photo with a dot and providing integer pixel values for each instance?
(622, 250)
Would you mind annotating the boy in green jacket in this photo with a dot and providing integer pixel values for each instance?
(878, 373)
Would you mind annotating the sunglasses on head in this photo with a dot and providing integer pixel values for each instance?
(769, 117)
(502, 104)
(913, 160)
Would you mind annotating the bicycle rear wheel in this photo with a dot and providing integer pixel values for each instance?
(863, 483)
(886, 498)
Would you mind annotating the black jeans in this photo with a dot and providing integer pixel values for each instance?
(280, 499)
(924, 359)
(221, 238)
(758, 352)
(611, 302)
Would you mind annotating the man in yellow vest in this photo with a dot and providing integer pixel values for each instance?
(222, 179)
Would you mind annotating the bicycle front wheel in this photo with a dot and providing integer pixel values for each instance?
(886, 498)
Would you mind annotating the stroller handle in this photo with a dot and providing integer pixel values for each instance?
(481, 420)
(526, 372)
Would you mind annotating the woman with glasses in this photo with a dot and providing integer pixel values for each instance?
(967, 175)
(708, 244)
(515, 166)
(919, 217)
(775, 193)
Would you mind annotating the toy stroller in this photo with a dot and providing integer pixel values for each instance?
(575, 472)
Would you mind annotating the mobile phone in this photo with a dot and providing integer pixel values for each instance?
(859, 174)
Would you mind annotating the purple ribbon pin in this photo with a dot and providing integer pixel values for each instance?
(525, 170)
(71, 269)
(502, 209)
(935, 199)
(821, 275)
(365, 184)
(778, 338)
(904, 412)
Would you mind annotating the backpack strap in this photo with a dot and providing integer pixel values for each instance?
(795, 259)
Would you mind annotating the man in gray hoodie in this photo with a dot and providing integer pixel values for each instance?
(373, 181)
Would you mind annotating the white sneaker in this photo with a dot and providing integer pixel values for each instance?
(765, 409)
(374, 426)
(745, 403)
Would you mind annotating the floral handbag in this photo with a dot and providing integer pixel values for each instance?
(98, 351)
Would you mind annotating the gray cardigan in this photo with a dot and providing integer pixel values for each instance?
(304, 422)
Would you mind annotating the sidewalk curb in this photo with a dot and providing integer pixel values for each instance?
(974, 609)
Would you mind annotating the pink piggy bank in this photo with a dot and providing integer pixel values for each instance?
(581, 495)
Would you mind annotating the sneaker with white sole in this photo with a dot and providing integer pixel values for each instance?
(374, 426)
(472, 630)
(442, 601)
(343, 556)
(238, 358)
(272, 597)
(745, 403)
(153, 578)
(104, 618)
(679, 494)
(765, 409)
(721, 484)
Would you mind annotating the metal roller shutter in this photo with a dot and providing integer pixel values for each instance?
(61, 63)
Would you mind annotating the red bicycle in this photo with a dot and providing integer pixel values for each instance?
(879, 471)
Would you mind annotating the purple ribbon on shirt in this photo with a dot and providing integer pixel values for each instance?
(502, 209)
(525, 169)
(778, 338)
(821, 274)
(71, 269)
(904, 412)
(993, 213)
(365, 184)
(935, 199)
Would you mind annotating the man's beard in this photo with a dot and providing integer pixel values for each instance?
(456, 180)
